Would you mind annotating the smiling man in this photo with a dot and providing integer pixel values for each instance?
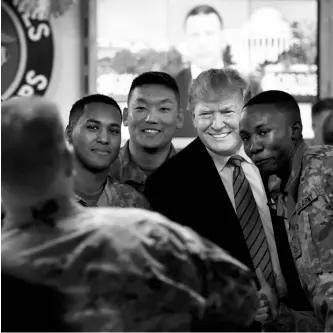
(153, 117)
(94, 131)
(271, 129)
(215, 188)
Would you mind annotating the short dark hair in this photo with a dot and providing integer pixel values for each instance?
(322, 105)
(160, 78)
(328, 130)
(203, 10)
(282, 100)
(78, 107)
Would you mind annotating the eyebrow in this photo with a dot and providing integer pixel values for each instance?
(142, 100)
(260, 125)
(97, 122)
(226, 108)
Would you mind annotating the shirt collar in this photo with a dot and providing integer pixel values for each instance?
(81, 201)
(296, 166)
(127, 164)
(195, 70)
(221, 161)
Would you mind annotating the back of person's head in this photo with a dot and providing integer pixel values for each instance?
(283, 101)
(203, 10)
(328, 130)
(215, 84)
(325, 104)
(79, 107)
(31, 307)
(33, 149)
(155, 78)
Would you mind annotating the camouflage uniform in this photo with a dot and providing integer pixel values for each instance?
(306, 204)
(118, 195)
(131, 270)
(124, 170)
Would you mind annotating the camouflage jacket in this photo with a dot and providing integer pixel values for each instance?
(131, 270)
(306, 204)
(124, 170)
(118, 195)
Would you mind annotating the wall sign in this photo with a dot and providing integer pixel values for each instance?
(27, 52)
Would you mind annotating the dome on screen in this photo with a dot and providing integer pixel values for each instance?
(268, 14)
(267, 21)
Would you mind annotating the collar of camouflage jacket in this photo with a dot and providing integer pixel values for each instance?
(130, 171)
(107, 185)
(296, 167)
(291, 189)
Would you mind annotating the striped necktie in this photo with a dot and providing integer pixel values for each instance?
(250, 221)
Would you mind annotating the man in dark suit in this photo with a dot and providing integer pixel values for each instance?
(205, 43)
(215, 188)
(328, 130)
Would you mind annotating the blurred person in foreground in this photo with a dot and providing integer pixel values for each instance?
(124, 269)
(300, 182)
(94, 131)
(28, 306)
(320, 113)
(328, 130)
(214, 181)
(153, 116)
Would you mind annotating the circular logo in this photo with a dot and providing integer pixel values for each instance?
(27, 52)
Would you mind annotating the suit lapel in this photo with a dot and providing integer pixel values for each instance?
(209, 186)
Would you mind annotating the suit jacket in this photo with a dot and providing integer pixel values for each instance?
(188, 190)
(183, 79)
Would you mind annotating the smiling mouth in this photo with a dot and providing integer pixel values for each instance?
(151, 131)
(220, 136)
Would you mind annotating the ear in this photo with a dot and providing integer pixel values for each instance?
(193, 117)
(297, 129)
(180, 119)
(68, 161)
(125, 117)
(69, 133)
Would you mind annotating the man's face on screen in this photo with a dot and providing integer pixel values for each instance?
(204, 37)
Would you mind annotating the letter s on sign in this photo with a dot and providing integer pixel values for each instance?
(39, 80)
(36, 34)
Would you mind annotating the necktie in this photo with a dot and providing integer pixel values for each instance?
(250, 221)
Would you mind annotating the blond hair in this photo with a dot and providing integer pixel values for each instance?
(214, 84)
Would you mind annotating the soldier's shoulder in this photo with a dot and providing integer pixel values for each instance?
(318, 157)
(321, 152)
(140, 222)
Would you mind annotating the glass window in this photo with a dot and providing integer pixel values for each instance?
(271, 42)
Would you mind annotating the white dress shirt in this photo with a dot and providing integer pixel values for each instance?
(252, 174)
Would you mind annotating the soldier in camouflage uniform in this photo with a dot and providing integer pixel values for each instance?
(122, 269)
(301, 188)
(94, 130)
(153, 116)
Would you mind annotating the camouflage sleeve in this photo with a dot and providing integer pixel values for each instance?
(134, 198)
(323, 300)
(323, 291)
(163, 277)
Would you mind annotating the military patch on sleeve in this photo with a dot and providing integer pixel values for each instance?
(305, 201)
